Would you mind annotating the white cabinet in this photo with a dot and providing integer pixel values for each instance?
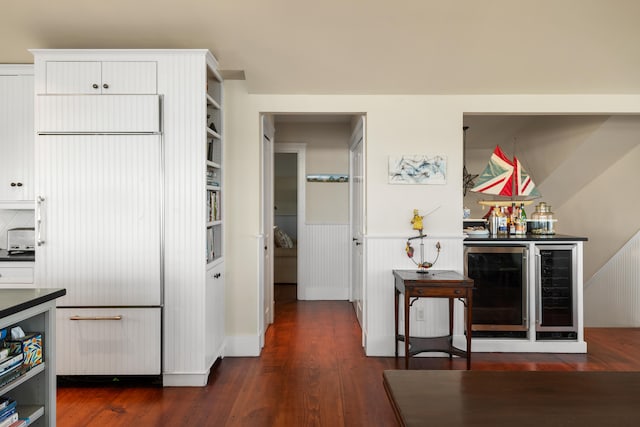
(16, 135)
(16, 274)
(135, 224)
(101, 77)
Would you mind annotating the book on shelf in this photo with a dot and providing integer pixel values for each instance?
(210, 244)
(4, 354)
(20, 423)
(11, 363)
(9, 420)
(4, 402)
(8, 409)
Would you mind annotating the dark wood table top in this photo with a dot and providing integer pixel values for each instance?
(433, 277)
(516, 398)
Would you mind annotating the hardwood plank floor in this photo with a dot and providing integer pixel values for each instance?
(312, 372)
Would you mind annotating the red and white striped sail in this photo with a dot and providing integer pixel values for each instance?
(497, 176)
(505, 177)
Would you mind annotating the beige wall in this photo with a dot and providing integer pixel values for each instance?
(327, 151)
(395, 125)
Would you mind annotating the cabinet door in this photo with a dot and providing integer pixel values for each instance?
(74, 77)
(16, 138)
(96, 77)
(214, 312)
(129, 77)
(100, 219)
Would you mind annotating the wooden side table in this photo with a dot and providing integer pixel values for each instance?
(434, 284)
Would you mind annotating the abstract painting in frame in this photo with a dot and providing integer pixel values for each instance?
(417, 169)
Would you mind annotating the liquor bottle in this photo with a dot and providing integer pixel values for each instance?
(523, 218)
(502, 222)
(512, 219)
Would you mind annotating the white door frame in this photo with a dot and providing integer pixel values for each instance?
(301, 150)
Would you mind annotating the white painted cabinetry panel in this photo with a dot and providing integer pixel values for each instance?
(73, 114)
(16, 136)
(100, 218)
(108, 341)
(101, 77)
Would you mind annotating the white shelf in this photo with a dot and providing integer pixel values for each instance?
(21, 379)
(30, 412)
(213, 134)
(213, 102)
(213, 164)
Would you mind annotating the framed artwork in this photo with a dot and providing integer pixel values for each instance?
(417, 169)
(328, 177)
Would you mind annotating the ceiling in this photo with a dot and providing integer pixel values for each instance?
(360, 46)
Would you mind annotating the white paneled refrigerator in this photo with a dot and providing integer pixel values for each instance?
(99, 230)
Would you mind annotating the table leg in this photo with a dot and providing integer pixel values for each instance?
(468, 308)
(396, 323)
(406, 330)
(450, 326)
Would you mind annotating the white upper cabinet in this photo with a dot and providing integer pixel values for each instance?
(101, 77)
(16, 135)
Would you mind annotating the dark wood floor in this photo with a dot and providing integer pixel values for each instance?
(312, 372)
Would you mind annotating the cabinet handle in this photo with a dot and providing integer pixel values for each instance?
(106, 86)
(13, 184)
(119, 317)
(95, 86)
(19, 184)
(216, 276)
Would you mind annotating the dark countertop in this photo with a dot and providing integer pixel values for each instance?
(526, 238)
(23, 256)
(16, 300)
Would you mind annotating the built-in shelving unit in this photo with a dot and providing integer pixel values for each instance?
(214, 166)
(33, 389)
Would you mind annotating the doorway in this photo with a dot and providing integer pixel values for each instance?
(319, 222)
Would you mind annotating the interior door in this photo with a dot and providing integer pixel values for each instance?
(267, 191)
(357, 219)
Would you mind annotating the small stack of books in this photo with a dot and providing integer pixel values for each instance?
(9, 360)
(9, 414)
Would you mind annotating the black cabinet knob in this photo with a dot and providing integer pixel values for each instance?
(19, 184)
(106, 86)
(95, 86)
(13, 184)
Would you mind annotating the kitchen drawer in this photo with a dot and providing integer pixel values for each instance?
(16, 275)
(108, 341)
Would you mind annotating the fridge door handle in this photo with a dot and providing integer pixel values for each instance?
(538, 290)
(39, 225)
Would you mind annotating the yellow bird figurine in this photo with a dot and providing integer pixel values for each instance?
(417, 221)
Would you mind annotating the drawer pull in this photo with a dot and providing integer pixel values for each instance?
(95, 318)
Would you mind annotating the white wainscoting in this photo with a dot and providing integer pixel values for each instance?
(383, 255)
(323, 262)
(612, 295)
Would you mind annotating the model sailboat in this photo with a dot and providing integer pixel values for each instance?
(505, 177)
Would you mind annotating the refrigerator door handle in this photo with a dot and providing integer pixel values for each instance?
(538, 289)
(39, 225)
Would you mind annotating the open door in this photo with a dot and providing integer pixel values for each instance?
(267, 293)
(357, 212)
